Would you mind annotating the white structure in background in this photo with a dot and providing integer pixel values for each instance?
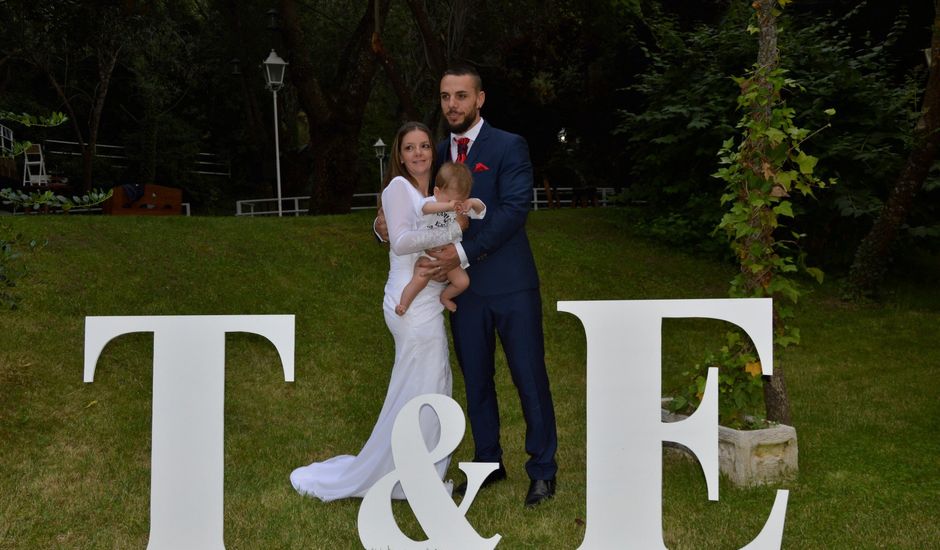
(34, 167)
(6, 139)
(380, 154)
(274, 69)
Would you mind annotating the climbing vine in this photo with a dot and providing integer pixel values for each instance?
(762, 173)
(763, 168)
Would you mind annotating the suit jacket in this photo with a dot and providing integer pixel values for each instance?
(497, 246)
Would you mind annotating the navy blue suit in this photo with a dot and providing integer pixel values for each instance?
(503, 298)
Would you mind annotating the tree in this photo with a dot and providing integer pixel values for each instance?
(255, 145)
(335, 103)
(871, 257)
(761, 173)
(854, 58)
(163, 63)
(76, 46)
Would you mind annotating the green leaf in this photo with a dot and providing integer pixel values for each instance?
(816, 273)
(785, 178)
(784, 209)
(806, 162)
(775, 135)
(665, 140)
(830, 111)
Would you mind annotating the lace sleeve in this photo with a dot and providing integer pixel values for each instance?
(402, 210)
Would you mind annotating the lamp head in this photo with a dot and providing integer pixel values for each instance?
(274, 69)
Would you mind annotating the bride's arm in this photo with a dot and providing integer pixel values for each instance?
(401, 213)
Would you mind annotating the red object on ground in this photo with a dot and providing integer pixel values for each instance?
(157, 200)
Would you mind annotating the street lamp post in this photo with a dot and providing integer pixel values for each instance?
(380, 154)
(274, 69)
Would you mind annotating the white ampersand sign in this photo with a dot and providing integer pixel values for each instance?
(441, 519)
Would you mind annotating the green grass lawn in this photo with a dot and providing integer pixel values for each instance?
(74, 457)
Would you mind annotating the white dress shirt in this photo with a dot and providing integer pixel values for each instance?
(472, 134)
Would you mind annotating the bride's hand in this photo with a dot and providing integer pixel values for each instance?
(380, 226)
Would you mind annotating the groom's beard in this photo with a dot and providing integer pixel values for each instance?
(464, 125)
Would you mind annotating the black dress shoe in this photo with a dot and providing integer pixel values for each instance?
(498, 474)
(539, 490)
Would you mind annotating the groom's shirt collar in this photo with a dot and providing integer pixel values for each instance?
(472, 133)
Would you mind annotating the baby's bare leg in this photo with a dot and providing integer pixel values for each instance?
(418, 281)
(459, 281)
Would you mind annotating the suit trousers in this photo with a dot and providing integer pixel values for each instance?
(517, 319)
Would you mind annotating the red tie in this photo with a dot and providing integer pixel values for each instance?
(462, 144)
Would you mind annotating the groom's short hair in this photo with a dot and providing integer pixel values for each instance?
(464, 70)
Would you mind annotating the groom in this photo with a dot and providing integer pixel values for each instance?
(503, 297)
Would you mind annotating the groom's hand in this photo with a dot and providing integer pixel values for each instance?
(445, 259)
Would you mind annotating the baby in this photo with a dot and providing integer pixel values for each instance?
(451, 196)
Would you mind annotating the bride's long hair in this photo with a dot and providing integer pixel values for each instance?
(395, 167)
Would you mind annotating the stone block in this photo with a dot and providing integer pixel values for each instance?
(752, 457)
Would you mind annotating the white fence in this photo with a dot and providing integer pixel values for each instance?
(72, 148)
(6, 139)
(268, 207)
(565, 196)
(295, 206)
(205, 163)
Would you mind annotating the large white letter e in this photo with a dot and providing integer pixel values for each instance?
(624, 428)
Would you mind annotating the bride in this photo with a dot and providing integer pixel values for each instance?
(422, 362)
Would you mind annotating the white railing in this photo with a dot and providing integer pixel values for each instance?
(301, 205)
(293, 206)
(373, 202)
(6, 139)
(72, 148)
(205, 163)
(268, 207)
(208, 164)
(564, 196)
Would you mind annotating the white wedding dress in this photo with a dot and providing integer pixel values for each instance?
(421, 365)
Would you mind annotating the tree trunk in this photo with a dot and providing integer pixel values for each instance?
(394, 77)
(871, 257)
(261, 144)
(106, 62)
(434, 52)
(335, 108)
(148, 145)
(69, 109)
(438, 53)
(776, 398)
